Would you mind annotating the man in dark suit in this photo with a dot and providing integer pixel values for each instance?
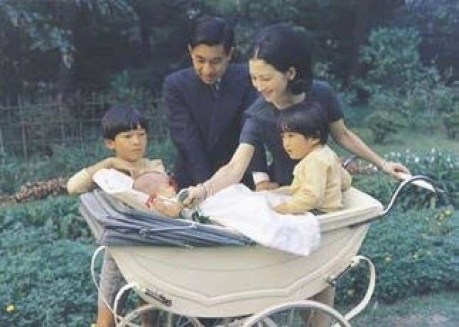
(205, 103)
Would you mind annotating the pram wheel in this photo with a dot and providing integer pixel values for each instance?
(298, 314)
(164, 319)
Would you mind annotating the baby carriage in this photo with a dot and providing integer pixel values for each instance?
(193, 270)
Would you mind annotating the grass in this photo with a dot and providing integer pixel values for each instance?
(422, 139)
(419, 142)
(432, 310)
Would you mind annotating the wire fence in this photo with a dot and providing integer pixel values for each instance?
(28, 129)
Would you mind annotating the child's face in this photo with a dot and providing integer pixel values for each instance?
(130, 145)
(297, 145)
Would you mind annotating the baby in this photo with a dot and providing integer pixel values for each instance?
(162, 192)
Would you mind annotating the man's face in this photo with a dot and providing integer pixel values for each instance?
(209, 62)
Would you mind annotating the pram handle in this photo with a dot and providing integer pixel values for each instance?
(426, 181)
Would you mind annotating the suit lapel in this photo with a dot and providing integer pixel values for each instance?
(224, 110)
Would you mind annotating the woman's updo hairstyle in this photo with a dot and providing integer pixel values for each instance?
(283, 46)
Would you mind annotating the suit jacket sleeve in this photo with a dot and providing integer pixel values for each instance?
(184, 132)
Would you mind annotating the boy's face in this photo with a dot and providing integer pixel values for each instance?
(297, 145)
(209, 62)
(130, 145)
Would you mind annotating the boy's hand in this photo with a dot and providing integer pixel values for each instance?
(281, 209)
(265, 186)
(122, 165)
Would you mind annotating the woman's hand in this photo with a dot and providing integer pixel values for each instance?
(394, 168)
(196, 194)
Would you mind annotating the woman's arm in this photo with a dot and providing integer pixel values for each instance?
(351, 142)
(227, 175)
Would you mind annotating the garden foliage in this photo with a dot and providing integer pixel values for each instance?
(45, 252)
(415, 252)
(46, 248)
(398, 82)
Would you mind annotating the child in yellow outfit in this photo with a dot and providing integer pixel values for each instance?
(318, 177)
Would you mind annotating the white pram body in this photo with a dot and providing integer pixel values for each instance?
(235, 280)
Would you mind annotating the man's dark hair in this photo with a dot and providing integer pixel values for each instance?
(120, 119)
(283, 46)
(211, 31)
(306, 118)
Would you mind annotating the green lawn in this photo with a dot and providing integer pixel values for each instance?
(432, 310)
(419, 142)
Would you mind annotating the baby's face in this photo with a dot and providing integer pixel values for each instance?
(155, 184)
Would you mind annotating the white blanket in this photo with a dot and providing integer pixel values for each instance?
(250, 213)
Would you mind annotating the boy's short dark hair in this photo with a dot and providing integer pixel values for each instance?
(306, 118)
(211, 31)
(120, 119)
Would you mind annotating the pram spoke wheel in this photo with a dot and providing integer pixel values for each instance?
(298, 314)
(163, 318)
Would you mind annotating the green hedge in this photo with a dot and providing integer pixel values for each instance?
(415, 252)
(45, 253)
(44, 281)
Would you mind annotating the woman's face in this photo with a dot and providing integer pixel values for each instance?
(271, 83)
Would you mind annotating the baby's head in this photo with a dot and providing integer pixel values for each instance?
(155, 184)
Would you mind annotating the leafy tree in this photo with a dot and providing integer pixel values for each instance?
(34, 33)
(398, 81)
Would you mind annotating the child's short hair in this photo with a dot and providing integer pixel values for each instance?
(306, 118)
(120, 119)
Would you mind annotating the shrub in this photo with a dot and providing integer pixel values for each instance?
(44, 281)
(59, 215)
(451, 122)
(442, 167)
(382, 124)
(397, 80)
(415, 252)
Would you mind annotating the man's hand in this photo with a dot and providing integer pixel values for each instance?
(265, 186)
